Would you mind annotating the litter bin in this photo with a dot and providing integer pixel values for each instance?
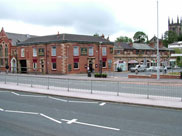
(181, 75)
(89, 74)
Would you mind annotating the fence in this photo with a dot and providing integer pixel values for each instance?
(149, 90)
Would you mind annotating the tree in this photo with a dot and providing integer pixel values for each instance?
(179, 58)
(169, 37)
(96, 34)
(140, 37)
(123, 39)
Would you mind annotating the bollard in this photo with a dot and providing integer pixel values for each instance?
(5, 79)
(31, 82)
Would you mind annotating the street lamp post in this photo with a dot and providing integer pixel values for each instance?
(100, 59)
(158, 55)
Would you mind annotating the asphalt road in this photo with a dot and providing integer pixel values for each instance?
(40, 115)
(155, 89)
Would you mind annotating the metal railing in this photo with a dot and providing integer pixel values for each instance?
(149, 90)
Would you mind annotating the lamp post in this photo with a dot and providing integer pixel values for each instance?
(100, 59)
(158, 55)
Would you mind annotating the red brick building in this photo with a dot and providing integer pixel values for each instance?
(64, 54)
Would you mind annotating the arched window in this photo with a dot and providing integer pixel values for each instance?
(6, 51)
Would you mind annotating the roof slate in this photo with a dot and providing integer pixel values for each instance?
(16, 38)
(140, 46)
(63, 38)
(121, 45)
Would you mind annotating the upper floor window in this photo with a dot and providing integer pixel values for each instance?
(53, 51)
(6, 50)
(75, 51)
(91, 51)
(34, 52)
(104, 53)
(22, 52)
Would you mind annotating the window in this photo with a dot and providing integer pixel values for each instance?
(91, 51)
(53, 51)
(6, 61)
(22, 52)
(76, 63)
(6, 50)
(1, 51)
(104, 51)
(104, 60)
(34, 65)
(1, 62)
(53, 63)
(34, 52)
(75, 51)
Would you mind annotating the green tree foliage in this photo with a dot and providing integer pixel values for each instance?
(96, 34)
(123, 39)
(140, 37)
(169, 37)
(179, 58)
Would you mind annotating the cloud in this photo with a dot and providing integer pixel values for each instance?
(84, 17)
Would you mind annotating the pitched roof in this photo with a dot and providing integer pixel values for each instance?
(141, 46)
(16, 38)
(121, 45)
(64, 38)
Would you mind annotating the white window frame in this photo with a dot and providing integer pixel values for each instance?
(91, 51)
(75, 51)
(22, 52)
(104, 51)
(53, 52)
(34, 52)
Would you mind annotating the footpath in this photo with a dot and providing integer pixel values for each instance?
(166, 103)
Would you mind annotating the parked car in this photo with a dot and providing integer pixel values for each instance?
(138, 68)
(154, 69)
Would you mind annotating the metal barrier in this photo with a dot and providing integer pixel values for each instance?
(149, 90)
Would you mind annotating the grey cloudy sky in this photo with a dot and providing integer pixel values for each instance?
(108, 17)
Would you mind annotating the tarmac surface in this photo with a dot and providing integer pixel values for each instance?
(152, 101)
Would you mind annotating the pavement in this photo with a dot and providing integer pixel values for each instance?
(136, 100)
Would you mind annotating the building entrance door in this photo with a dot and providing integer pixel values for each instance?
(23, 64)
(42, 65)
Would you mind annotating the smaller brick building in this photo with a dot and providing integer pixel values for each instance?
(64, 54)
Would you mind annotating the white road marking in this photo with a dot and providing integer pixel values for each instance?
(102, 104)
(92, 125)
(57, 121)
(72, 121)
(34, 96)
(82, 102)
(15, 93)
(58, 99)
(24, 112)
(1, 109)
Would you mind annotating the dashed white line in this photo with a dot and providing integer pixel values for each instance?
(82, 102)
(72, 121)
(50, 118)
(92, 125)
(34, 96)
(102, 104)
(24, 112)
(58, 99)
(1, 109)
(15, 93)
